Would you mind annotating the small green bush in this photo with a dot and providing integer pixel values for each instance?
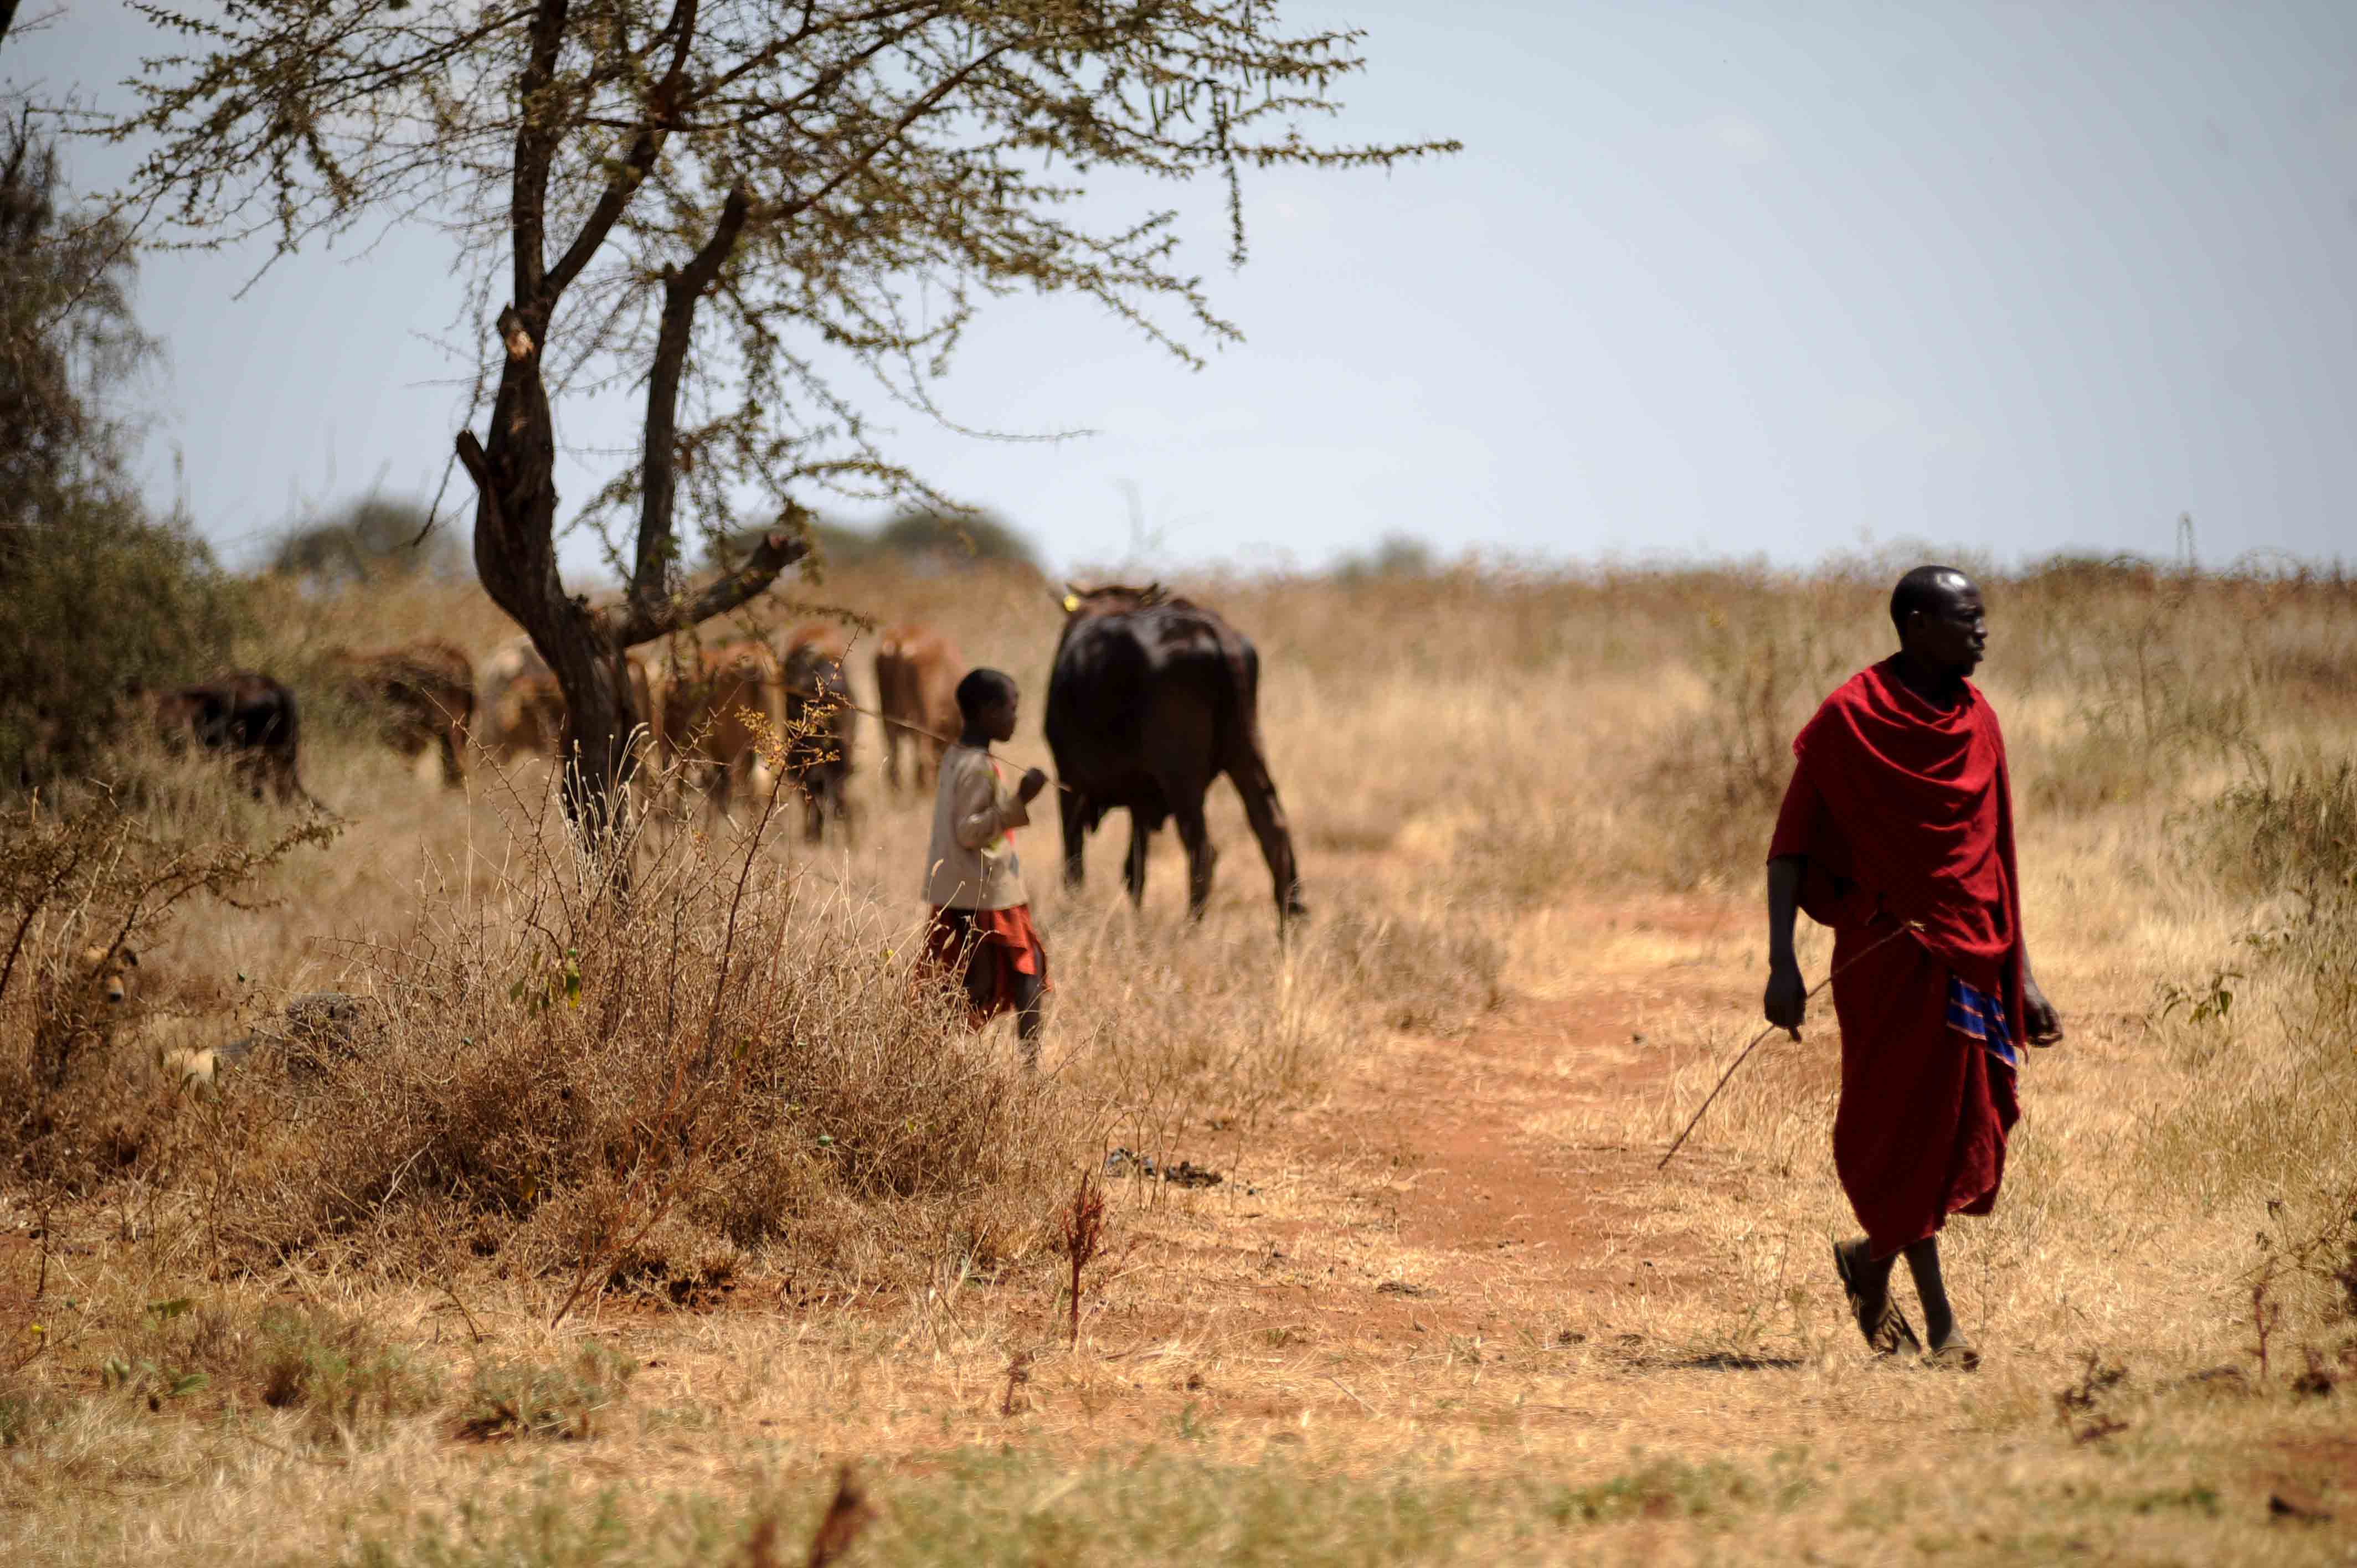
(524, 1399)
(335, 1371)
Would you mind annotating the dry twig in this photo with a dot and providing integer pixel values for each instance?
(1019, 1372)
(1084, 1235)
(847, 1516)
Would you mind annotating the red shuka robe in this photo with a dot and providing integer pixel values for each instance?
(1905, 814)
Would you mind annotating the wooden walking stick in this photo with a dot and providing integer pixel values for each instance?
(1740, 1055)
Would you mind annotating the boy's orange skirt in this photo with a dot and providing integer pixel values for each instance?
(983, 951)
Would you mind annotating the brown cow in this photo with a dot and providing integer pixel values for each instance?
(916, 672)
(528, 712)
(422, 694)
(819, 718)
(247, 715)
(530, 715)
(714, 713)
(495, 682)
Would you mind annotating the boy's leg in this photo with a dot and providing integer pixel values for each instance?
(1030, 1015)
(981, 973)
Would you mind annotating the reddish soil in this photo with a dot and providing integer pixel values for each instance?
(1418, 1199)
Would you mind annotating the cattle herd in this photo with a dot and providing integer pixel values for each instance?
(1150, 699)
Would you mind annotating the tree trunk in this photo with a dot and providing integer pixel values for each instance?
(515, 470)
(515, 555)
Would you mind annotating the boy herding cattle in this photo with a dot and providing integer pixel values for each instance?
(1896, 832)
(981, 932)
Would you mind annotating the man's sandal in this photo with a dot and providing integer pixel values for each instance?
(1885, 1335)
(1953, 1357)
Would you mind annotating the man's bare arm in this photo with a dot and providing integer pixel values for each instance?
(1787, 999)
(2039, 1018)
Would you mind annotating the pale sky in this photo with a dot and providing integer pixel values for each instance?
(1707, 281)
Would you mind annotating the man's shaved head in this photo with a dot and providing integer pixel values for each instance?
(1927, 588)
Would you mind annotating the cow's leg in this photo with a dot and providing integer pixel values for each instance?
(1266, 813)
(892, 739)
(1132, 865)
(722, 797)
(287, 784)
(839, 800)
(453, 754)
(1073, 809)
(1201, 858)
(813, 809)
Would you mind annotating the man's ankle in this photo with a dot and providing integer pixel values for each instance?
(1863, 1261)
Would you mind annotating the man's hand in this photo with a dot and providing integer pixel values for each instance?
(2037, 1015)
(1787, 1000)
(1033, 782)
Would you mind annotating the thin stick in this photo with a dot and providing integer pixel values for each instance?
(1696, 1119)
(891, 722)
(1740, 1055)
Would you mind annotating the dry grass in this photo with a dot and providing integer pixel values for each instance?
(724, 1137)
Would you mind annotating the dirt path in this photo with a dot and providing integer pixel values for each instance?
(1467, 1186)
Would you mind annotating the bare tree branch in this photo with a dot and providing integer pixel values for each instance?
(917, 111)
(662, 109)
(643, 623)
(658, 543)
(539, 129)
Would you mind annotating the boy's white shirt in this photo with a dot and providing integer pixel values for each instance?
(972, 864)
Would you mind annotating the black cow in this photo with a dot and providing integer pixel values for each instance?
(249, 715)
(1150, 699)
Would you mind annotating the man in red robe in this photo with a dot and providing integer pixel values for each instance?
(1896, 832)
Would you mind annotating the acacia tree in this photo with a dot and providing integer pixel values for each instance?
(728, 204)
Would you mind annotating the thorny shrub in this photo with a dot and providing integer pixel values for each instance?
(2296, 831)
(2283, 1121)
(2307, 1265)
(1767, 664)
(2289, 838)
(571, 1078)
(80, 876)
